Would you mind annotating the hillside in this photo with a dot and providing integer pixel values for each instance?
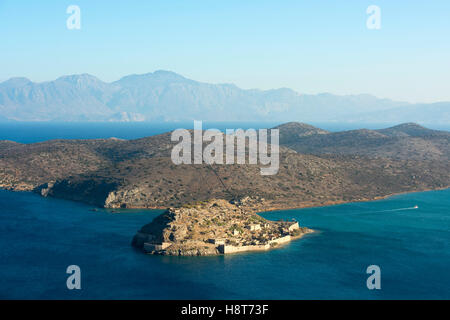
(291, 132)
(406, 141)
(140, 174)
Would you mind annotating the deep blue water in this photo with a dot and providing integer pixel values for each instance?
(40, 237)
(29, 132)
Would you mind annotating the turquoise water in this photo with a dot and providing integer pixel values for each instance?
(40, 237)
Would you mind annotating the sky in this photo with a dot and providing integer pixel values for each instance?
(309, 46)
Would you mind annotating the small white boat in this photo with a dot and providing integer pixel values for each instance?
(416, 207)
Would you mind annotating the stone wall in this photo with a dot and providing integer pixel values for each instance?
(224, 249)
(294, 226)
(234, 249)
(150, 247)
(281, 240)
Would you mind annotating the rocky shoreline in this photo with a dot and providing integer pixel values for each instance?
(316, 168)
(214, 227)
(257, 204)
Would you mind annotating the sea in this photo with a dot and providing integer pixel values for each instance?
(406, 236)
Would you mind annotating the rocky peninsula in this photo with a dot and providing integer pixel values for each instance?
(316, 168)
(213, 227)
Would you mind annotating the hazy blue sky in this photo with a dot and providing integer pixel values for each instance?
(310, 46)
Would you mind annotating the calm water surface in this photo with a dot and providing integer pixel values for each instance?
(29, 132)
(40, 237)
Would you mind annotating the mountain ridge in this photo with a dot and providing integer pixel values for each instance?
(407, 141)
(168, 96)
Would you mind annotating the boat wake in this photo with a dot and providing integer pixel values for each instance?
(388, 210)
(399, 209)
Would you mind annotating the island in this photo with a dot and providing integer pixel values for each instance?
(214, 207)
(214, 227)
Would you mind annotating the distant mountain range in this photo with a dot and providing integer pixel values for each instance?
(167, 96)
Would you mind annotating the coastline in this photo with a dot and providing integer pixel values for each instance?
(269, 208)
(333, 203)
(305, 253)
(216, 227)
(230, 250)
(275, 243)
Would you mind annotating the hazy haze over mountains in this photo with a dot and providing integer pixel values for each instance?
(167, 96)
